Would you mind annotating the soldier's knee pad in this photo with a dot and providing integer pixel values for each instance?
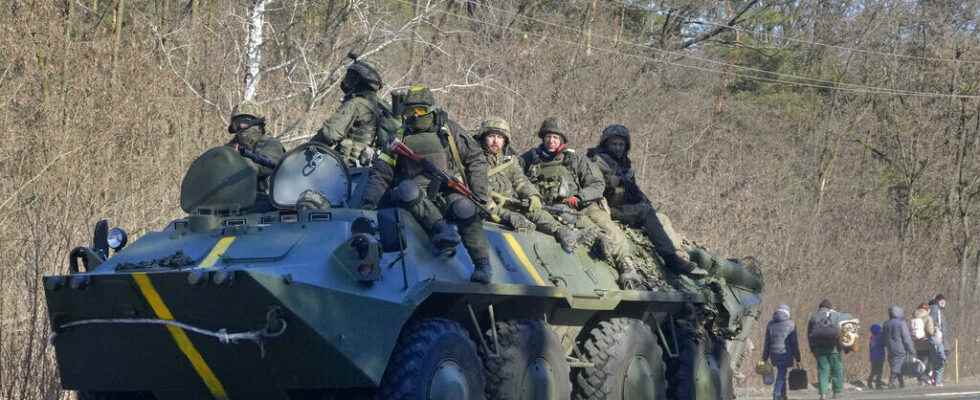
(462, 210)
(407, 193)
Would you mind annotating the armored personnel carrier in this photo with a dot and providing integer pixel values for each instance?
(324, 300)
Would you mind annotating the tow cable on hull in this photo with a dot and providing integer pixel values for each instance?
(275, 326)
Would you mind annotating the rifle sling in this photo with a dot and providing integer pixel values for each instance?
(500, 168)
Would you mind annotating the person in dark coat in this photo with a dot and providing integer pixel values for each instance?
(937, 310)
(898, 343)
(781, 348)
(830, 365)
(876, 354)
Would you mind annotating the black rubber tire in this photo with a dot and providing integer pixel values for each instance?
(616, 347)
(703, 371)
(531, 364)
(423, 348)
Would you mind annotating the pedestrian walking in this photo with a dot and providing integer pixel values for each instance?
(876, 354)
(781, 348)
(898, 343)
(823, 335)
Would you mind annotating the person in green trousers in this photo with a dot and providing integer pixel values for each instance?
(823, 332)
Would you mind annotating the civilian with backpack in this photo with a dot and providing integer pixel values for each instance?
(898, 342)
(937, 310)
(781, 348)
(922, 329)
(876, 354)
(823, 335)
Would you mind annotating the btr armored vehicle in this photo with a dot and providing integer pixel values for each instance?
(303, 295)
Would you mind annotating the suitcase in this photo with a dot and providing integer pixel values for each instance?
(797, 379)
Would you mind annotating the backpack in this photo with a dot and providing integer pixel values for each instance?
(824, 332)
(918, 328)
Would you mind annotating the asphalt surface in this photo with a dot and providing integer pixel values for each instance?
(952, 392)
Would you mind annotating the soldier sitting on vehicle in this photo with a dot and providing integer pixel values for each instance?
(439, 144)
(565, 178)
(519, 203)
(363, 122)
(630, 206)
(263, 152)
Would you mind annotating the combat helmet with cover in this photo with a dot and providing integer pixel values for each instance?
(246, 115)
(364, 72)
(615, 130)
(552, 125)
(497, 125)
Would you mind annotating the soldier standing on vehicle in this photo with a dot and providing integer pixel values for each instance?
(429, 134)
(566, 178)
(509, 185)
(630, 206)
(363, 122)
(258, 148)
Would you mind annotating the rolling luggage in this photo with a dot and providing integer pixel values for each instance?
(797, 379)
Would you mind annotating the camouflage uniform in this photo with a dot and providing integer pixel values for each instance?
(248, 126)
(432, 202)
(631, 207)
(508, 183)
(353, 131)
(567, 174)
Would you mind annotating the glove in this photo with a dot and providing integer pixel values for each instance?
(534, 204)
(498, 198)
(572, 202)
(520, 223)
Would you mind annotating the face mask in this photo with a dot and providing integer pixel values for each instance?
(347, 85)
(249, 137)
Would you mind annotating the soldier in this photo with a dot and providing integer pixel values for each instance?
(248, 126)
(359, 126)
(509, 185)
(429, 134)
(566, 178)
(630, 206)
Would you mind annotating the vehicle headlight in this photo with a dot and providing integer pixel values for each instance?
(117, 239)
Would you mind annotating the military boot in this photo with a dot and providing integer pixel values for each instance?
(681, 263)
(628, 277)
(482, 273)
(568, 238)
(445, 238)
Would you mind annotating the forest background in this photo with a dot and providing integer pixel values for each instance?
(835, 141)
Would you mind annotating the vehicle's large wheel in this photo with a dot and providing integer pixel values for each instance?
(702, 371)
(433, 360)
(531, 365)
(628, 363)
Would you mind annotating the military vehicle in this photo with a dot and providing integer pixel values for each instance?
(324, 300)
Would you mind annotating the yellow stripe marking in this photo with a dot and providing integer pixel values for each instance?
(525, 262)
(218, 251)
(180, 337)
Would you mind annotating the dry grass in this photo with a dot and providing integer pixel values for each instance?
(804, 179)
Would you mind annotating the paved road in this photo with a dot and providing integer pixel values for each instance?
(962, 392)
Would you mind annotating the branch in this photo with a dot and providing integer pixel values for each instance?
(719, 29)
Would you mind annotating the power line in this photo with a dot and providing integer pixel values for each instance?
(850, 49)
(817, 83)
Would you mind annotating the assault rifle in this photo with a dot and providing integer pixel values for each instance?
(525, 204)
(563, 212)
(396, 146)
(256, 157)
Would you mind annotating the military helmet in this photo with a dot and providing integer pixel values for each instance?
(419, 95)
(552, 125)
(247, 108)
(367, 73)
(615, 130)
(495, 124)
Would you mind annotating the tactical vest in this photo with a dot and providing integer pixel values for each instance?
(428, 145)
(554, 179)
(498, 177)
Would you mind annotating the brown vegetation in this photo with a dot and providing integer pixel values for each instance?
(837, 143)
